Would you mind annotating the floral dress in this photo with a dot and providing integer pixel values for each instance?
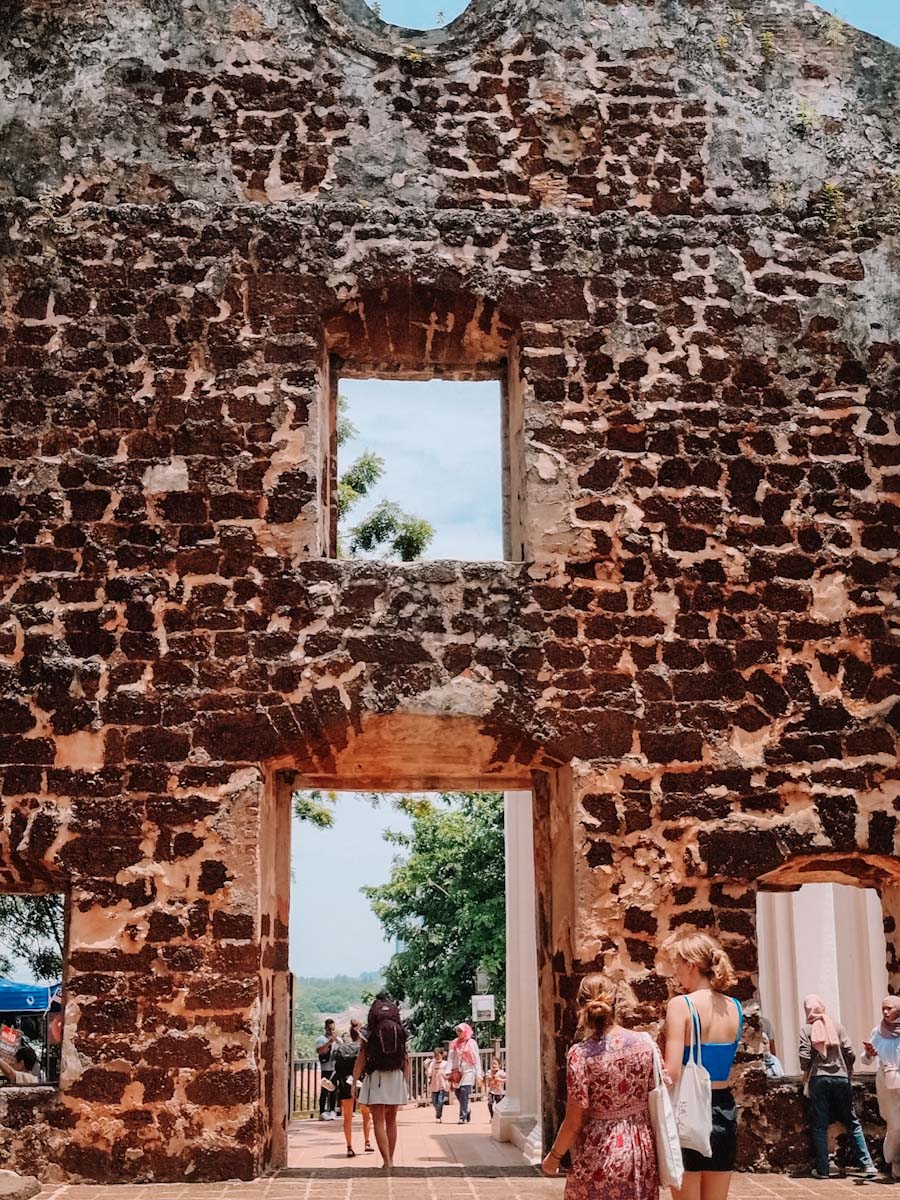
(615, 1155)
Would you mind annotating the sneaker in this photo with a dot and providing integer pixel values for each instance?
(323, 1116)
(817, 1175)
(868, 1172)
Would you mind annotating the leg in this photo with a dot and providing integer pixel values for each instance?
(367, 1125)
(846, 1114)
(378, 1111)
(690, 1188)
(390, 1122)
(818, 1122)
(715, 1185)
(463, 1092)
(347, 1114)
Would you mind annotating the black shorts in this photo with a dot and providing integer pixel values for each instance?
(344, 1087)
(723, 1139)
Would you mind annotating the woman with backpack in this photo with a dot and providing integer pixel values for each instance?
(464, 1067)
(384, 1061)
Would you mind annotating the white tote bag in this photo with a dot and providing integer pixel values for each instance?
(692, 1097)
(665, 1131)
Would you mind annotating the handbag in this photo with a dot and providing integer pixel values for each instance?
(891, 1077)
(665, 1131)
(692, 1098)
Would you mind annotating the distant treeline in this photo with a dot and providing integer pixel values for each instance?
(316, 998)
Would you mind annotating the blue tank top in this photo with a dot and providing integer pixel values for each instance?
(717, 1057)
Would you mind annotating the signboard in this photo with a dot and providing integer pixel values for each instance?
(483, 1008)
(10, 1040)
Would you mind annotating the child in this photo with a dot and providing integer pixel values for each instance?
(496, 1084)
(884, 1045)
(436, 1073)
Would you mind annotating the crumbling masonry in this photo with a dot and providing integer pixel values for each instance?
(671, 228)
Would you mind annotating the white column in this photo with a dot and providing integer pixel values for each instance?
(517, 1120)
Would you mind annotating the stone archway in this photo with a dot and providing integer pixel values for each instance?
(422, 751)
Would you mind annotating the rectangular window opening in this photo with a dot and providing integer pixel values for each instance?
(423, 468)
(33, 932)
(825, 939)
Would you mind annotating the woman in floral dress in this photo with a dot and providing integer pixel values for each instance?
(607, 1125)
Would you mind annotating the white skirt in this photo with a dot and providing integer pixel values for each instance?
(384, 1087)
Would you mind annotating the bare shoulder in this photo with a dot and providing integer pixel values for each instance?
(677, 1007)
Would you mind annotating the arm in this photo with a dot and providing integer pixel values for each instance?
(565, 1139)
(7, 1068)
(359, 1066)
(325, 1049)
(676, 1016)
(806, 1050)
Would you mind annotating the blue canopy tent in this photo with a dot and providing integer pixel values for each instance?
(26, 997)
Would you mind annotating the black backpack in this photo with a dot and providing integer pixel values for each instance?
(345, 1059)
(386, 1047)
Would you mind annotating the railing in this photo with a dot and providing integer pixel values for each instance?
(306, 1080)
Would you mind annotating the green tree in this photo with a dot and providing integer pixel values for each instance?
(445, 904)
(32, 931)
(387, 527)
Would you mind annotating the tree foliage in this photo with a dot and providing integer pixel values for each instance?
(32, 930)
(445, 904)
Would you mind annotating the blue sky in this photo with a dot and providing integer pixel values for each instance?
(877, 16)
(333, 931)
(441, 445)
(455, 483)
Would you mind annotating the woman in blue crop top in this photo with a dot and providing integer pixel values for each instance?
(703, 972)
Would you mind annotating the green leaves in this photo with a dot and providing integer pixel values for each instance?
(388, 525)
(445, 902)
(32, 932)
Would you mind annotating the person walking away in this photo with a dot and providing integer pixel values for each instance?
(496, 1085)
(826, 1059)
(609, 1077)
(384, 1061)
(465, 1069)
(703, 972)
(883, 1047)
(325, 1050)
(436, 1073)
(345, 1055)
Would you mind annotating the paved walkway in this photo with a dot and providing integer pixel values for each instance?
(421, 1142)
(364, 1185)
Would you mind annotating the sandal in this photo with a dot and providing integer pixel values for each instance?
(351, 1153)
(369, 1149)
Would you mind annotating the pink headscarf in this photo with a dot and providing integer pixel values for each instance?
(824, 1031)
(464, 1046)
(890, 1026)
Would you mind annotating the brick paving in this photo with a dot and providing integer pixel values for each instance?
(465, 1184)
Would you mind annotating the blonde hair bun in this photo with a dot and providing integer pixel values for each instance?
(596, 1005)
(704, 953)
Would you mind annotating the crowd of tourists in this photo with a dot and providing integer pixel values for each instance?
(638, 1117)
(639, 1114)
(368, 1069)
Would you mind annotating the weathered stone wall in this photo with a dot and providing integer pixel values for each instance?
(697, 660)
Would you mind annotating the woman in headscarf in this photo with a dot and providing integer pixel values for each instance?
(827, 1057)
(884, 1046)
(464, 1068)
